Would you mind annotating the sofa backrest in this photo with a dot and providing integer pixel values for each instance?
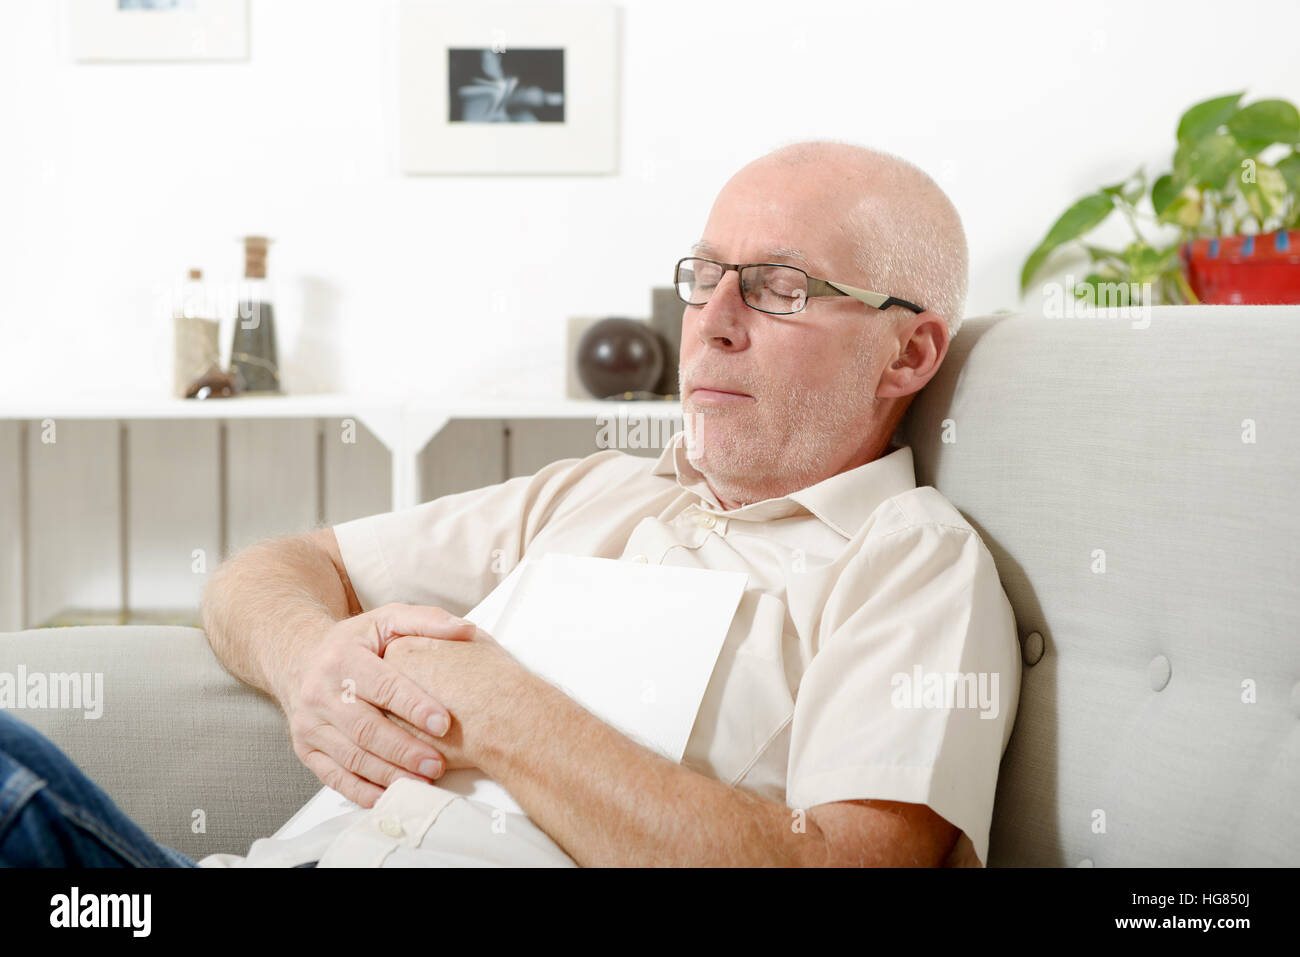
(1137, 485)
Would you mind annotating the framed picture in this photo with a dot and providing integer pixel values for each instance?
(158, 29)
(508, 89)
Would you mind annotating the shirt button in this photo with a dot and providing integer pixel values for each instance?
(640, 558)
(706, 521)
(391, 826)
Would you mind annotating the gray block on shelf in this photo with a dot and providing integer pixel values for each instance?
(666, 320)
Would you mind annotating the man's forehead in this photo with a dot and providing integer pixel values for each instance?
(768, 253)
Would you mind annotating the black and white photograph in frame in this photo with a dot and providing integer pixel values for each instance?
(507, 88)
(135, 30)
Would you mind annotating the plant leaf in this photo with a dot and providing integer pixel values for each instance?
(1265, 194)
(1163, 192)
(1073, 223)
(1205, 118)
(1185, 209)
(1208, 163)
(1289, 167)
(1129, 190)
(1148, 262)
(1105, 290)
(1263, 123)
(1086, 288)
(1100, 255)
(1273, 185)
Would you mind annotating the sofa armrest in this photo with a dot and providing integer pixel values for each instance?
(178, 735)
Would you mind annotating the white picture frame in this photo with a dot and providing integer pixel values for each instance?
(578, 41)
(134, 30)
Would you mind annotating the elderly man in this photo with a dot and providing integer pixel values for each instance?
(820, 299)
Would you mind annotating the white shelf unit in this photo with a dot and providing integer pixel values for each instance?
(137, 498)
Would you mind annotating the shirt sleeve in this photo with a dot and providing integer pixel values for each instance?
(913, 693)
(452, 551)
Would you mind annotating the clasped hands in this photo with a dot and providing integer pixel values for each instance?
(397, 692)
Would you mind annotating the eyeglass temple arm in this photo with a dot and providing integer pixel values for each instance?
(874, 299)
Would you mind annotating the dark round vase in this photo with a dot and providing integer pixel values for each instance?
(619, 355)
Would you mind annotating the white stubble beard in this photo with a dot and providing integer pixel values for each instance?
(773, 458)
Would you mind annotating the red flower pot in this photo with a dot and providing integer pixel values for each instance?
(1245, 269)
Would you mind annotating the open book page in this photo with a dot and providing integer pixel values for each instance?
(633, 643)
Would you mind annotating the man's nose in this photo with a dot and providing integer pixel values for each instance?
(723, 320)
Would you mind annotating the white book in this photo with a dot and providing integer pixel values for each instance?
(633, 643)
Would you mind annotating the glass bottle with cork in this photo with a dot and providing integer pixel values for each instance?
(195, 353)
(253, 357)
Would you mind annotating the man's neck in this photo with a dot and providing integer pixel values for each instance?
(726, 503)
(882, 447)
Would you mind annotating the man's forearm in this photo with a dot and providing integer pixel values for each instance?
(609, 801)
(262, 606)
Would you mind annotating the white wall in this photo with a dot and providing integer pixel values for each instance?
(114, 178)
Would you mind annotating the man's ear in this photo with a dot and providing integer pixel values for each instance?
(923, 344)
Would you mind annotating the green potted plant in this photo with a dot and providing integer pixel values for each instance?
(1236, 174)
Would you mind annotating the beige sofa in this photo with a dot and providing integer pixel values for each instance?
(1152, 557)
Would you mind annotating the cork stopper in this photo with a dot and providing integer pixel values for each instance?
(255, 256)
(196, 274)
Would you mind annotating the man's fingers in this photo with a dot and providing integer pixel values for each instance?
(339, 709)
(370, 729)
(328, 771)
(364, 764)
(396, 621)
(389, 689)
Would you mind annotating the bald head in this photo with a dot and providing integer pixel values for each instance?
(777, 403)
(904, 235)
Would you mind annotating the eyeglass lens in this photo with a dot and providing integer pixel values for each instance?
(776, 289)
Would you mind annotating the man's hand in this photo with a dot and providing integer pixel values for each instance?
(610, 801)
(340, 690)
(472, 678)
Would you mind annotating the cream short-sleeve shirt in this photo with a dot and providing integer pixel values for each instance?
(873, 654)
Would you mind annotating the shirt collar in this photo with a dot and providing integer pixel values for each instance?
(844, 501)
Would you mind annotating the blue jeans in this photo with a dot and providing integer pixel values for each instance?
(52, 815)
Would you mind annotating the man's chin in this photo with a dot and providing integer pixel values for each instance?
(702, 460)
(707, 447)
(714, 463)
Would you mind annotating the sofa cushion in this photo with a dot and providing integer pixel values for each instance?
(180, 742)
(1149, 540)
